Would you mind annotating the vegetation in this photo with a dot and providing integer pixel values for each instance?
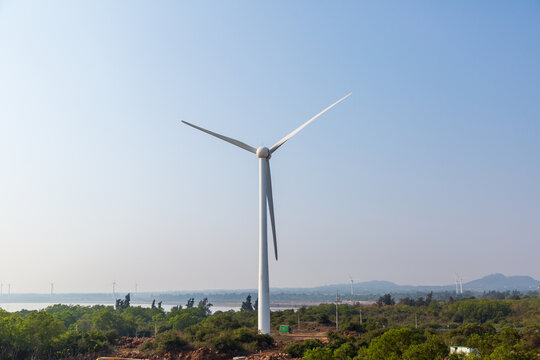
(408, 328)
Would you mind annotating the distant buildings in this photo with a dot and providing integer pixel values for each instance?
(462, 350)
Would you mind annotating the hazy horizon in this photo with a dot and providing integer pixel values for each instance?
(429, 169)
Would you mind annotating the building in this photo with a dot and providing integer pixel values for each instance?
(462, 350)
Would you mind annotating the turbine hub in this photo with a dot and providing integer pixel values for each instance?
(263, 152)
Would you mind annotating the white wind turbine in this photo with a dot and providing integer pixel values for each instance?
(265, 193)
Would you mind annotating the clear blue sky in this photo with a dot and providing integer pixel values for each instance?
(431, 167)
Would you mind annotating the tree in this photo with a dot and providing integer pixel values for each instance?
(39, 329)
(319, 353)
(345, 352)
(190, 303)
(123, 304)
(431, 349)
(386, 299)
(392, 344)
(205, 306)
(246, 305)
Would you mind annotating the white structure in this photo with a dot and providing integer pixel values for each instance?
(352, 285)
(265, 193)
(459, 284)
(462, 350)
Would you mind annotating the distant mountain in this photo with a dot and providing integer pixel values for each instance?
(500, 282)
(497, 282)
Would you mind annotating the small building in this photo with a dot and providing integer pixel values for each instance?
(462, 350)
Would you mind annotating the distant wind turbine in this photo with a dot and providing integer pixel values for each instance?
(265, 193)
(352, 285)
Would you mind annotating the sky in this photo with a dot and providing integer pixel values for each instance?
(429, 169)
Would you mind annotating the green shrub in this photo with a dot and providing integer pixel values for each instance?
(318, 354)
(297, 350)
(170, 341)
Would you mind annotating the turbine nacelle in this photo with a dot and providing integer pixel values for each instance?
(263, 152)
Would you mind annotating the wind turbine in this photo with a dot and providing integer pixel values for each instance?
(265, 193)
(352, 285)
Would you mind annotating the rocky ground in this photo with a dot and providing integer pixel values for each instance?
(127, 348)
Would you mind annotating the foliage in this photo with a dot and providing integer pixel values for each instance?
(170, 341)
(386, 299)
(318, 354)
(498, 329)
(123, 304)
(246, 305)
(297, 350)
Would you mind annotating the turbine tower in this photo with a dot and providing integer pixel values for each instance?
(265, 194)
(352, 285)
(52, 288)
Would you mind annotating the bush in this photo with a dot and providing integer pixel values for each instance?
(297, 350)
(318, 354)
(170, 341)
(242, 340)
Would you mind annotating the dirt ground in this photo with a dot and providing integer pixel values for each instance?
(127, 348)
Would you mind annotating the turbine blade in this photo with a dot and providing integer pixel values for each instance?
(282, 141)
(271, 204)
(225, 138)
